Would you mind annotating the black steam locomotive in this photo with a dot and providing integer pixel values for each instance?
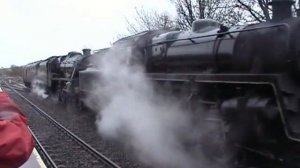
(250, 74)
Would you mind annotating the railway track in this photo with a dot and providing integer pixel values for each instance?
(43, 153)
(59, 146)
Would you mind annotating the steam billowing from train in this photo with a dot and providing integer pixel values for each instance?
(38, 86)
(153, 125)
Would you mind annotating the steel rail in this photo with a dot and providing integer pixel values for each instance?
(42, 152)
(99, 155)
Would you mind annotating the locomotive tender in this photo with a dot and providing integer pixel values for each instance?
(250, 74)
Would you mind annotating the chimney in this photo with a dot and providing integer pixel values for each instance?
(282, 9)
(86, 52)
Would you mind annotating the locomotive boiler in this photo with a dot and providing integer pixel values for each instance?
(248, 74)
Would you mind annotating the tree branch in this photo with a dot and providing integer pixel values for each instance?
(250, 10)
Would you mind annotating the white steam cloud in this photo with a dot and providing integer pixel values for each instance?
(38, 86)
(154, 126)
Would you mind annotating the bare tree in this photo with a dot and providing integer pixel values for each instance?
(260, 11)
(146, 20)
(15, 71)
(226, 12)
(297, 7)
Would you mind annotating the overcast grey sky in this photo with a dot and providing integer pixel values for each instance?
(31, 30)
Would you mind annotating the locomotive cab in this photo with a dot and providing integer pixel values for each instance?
(69, 63)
